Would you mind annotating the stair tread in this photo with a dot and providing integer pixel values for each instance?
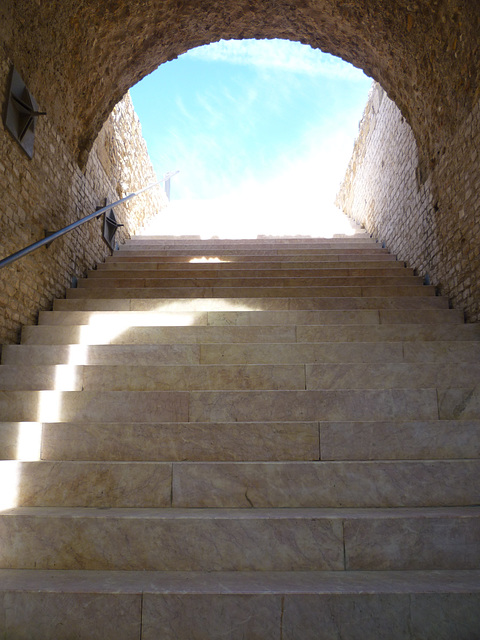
(245, 582)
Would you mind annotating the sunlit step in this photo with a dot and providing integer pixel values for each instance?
(265, 604)
(162, 441)
(330, 256)
(125, 333)
(179, 305)
(150, 270)
(168, 242)
(278, 341)
(152, 377)
(246, 251)
(431, 321)
(239, 406)
(254, 292)
(241, 441)
(242, 266)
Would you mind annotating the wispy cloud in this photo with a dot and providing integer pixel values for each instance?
(283, 55)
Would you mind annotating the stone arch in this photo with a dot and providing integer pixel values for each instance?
(79, 58)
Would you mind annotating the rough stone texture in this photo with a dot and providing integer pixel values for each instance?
(429, 218)
(49, 192)
(81, 57)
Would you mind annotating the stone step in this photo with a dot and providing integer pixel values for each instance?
(133, 353)
(332, 256)
(165, 242)
(128, 605)
(113, 270)
(151, 377)
(239, 406)
(241, 441)
(353, 605)
(166, 266)
(119, 333)
(240, 539)
(452, 320)
(189, 305)
(132, 281)
(170, 441)
(246, 252)
(242, 485)
(426, 440)
(242, 292)
(138, 377)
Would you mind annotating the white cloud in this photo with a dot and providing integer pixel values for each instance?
(283, 55)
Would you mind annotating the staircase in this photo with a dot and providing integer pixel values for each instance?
(276, 440)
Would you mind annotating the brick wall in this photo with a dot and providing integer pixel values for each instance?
(429, 217)
(49, 192)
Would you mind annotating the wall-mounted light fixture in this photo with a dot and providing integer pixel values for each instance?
(21, 113)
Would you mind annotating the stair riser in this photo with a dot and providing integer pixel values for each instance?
(312, 543)
(279, 485)
(245, 441)
(400, 440)
(366, 616)
(442, 321)
(238, 406)
(126, 335)
(335, 484)
(375, 375)
(254, 292)
(257, 612)
(285, 264)
(190, 271)
(133, 281)
(285, 261)
(413, 304)
(151, 354)
(167, 442)
(246, 252)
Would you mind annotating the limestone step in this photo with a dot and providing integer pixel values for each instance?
(246, 252)
(192, 258)
(241, 441)
(399, 440)
(240, 539)
(353, 605)
(151, 377)
(329, 263)
(244, 485)
(194, 243)
(113, 270)
(452, 319)
(239, 406)
(253, 291)
(197, 305)
(175, 441)
(151, 354)
(125, 333)
(134, 281)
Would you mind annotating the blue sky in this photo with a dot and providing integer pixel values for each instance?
(259, 130)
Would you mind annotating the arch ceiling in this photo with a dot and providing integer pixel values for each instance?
(79, 57)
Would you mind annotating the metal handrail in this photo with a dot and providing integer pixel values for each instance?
(96, 214)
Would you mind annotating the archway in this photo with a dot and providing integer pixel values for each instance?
(80, 58)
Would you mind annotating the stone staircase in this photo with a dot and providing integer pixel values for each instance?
(273, 439)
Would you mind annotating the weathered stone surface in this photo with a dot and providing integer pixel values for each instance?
(429, 218)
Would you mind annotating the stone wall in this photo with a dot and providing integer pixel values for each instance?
(49, 192)
(429, 217)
